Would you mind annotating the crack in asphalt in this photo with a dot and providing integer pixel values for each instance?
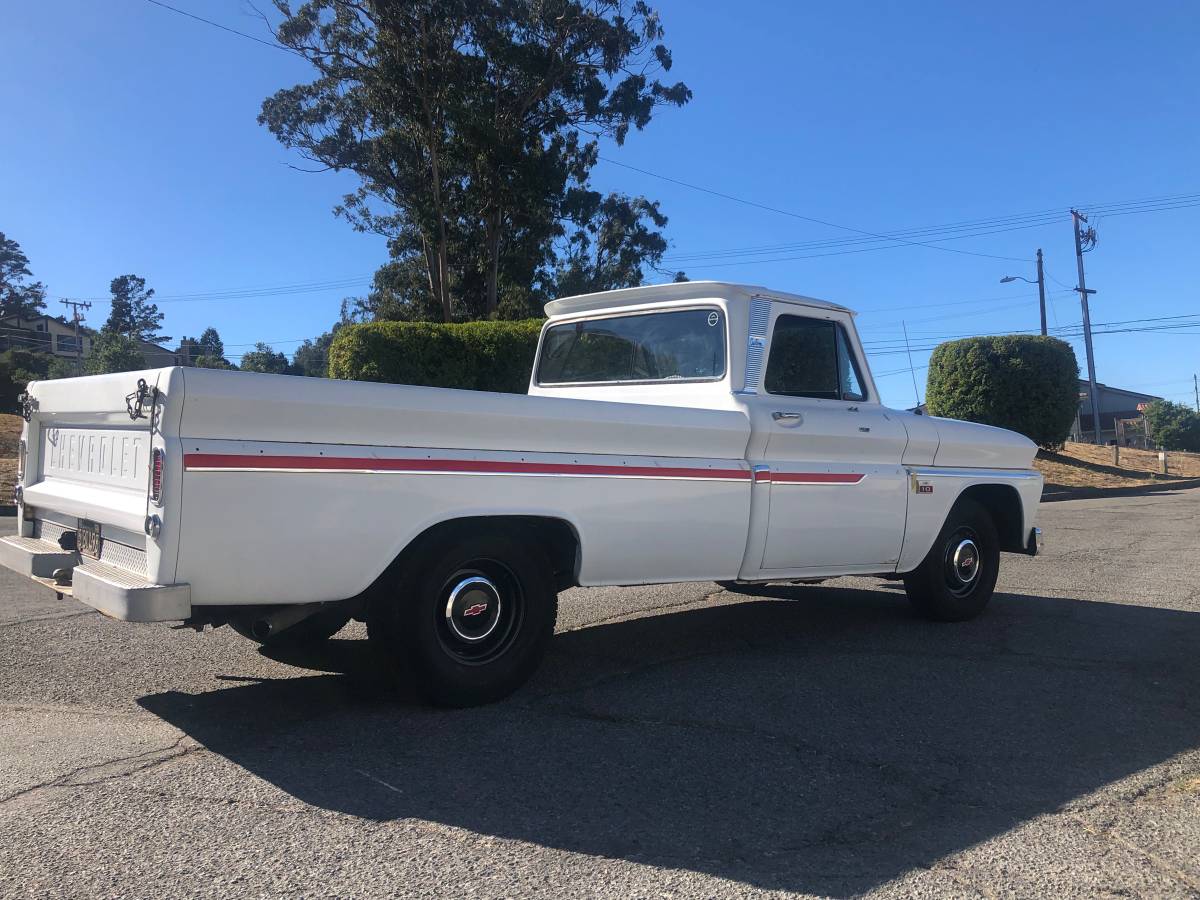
(172, 751)
(53, 618)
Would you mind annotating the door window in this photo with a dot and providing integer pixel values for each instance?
(811, 358)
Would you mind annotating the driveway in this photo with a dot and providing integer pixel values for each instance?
(680, 741)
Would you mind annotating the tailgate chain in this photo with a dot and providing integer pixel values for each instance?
(135, 402)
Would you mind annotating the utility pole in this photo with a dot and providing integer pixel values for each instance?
(1041, 290)
(1090, 237)
(77, 305)
(1196, 388)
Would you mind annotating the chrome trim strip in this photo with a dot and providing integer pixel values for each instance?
(976, 473)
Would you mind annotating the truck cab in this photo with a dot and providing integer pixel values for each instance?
(835, 473)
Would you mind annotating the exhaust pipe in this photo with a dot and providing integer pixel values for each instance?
(272, 623)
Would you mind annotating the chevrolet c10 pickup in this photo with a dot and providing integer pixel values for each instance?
(699, 431)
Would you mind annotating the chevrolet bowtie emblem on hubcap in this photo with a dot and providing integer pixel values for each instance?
(477, 610)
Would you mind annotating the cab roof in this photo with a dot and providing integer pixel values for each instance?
(684, 290)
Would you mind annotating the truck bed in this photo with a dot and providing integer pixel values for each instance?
(278, 489)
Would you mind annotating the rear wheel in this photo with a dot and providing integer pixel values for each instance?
(956, 579)
(469, 620)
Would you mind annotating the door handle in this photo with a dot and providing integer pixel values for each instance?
(790, 419)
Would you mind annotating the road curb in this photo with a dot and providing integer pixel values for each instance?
(1088, 493)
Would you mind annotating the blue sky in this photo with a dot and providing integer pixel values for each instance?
(131, 146)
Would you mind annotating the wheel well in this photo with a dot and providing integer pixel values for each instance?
(1003, 503)
(557, 538)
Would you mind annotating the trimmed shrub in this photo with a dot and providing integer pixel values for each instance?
(1173, 426)
(1026, 383)
(475, 356)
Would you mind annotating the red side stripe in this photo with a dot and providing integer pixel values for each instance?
(464, 466)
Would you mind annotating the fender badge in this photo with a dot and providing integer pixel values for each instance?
(924, 487)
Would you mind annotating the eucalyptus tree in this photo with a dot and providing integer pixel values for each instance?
(469, 124)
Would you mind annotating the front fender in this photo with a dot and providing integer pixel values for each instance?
(933, 492)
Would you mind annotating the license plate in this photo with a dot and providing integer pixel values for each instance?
(87, 538)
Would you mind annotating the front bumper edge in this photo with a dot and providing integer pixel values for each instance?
(1036, 542)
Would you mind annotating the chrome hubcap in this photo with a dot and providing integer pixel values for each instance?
(480, 611)
(473, 609)
(965, 561)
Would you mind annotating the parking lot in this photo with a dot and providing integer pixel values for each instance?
(680, 741)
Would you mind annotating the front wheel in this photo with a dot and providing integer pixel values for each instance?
(956, 579)
(469, 620)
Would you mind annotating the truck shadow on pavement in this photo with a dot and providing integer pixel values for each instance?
(824, 746)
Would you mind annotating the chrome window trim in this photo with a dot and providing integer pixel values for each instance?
(712, 379)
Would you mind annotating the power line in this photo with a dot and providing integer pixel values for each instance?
(242, 34)
(283, 290)
(749, 256)
(802, 217)
(1034, 219)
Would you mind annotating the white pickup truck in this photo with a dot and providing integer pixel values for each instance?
(699, 431)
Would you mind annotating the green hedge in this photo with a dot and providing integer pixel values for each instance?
(478, 356)
(1027, 383)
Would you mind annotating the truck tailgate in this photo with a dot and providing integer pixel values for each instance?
(92, 494)
(101, 474)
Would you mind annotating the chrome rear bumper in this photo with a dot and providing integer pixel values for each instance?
(115, 592)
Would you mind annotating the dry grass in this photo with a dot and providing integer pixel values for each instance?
(1086, 465)
(10, 436)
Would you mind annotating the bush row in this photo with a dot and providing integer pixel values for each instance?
(478, 356)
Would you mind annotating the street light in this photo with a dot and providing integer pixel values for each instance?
(1041, 283)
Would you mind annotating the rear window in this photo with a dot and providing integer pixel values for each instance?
(683, 345)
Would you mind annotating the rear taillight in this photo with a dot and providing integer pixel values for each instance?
(156, 474)
(21, 451)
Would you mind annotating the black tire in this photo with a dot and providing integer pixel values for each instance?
(468, 619)
(956, 579)
(308, 632)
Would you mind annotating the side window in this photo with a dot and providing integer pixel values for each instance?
(811, 358)
(851, 382)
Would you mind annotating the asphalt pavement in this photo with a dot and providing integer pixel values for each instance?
(680, 741)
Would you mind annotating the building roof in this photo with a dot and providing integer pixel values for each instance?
(682, 290)
(1084, 388)
(40, 317)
